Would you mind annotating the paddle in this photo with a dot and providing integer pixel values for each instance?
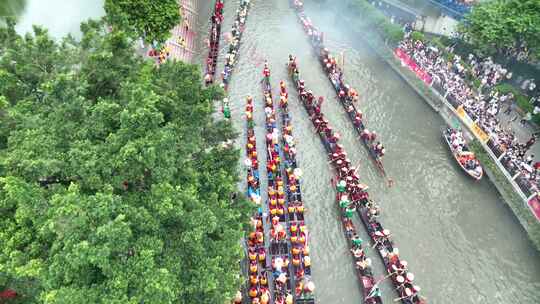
(404, 297)
(399, 299)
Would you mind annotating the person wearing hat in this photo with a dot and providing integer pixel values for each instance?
(349, 211)
(344, 202)
(341, 186)
(363, 263)
(226, 110)
(356, 241)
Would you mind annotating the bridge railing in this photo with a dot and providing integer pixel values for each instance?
(453, 8)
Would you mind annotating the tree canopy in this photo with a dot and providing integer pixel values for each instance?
(149, 19)
(115, 184)
(505, 27)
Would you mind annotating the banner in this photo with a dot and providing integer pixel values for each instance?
(408, 61)
(464, 116)
(480, 134)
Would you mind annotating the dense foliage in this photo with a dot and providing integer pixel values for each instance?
(115, 184)
(505, 27)
(149, 19)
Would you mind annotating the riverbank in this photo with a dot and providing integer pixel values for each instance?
(441, 106)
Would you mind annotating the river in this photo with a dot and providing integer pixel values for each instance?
(60, 17)
(460, 239)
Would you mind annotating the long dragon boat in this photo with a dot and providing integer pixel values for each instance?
(257, 285)
(345, 94)
(362, 263)
(236, 37)
(296, 225)
(280, 244)
(213, 40)
(356, 192)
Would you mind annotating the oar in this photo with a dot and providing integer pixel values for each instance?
(399, 299)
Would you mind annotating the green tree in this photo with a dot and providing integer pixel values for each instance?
(115, 184)
(504, 27)
(151, 20)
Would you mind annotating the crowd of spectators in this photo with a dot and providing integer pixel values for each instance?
(482, 104)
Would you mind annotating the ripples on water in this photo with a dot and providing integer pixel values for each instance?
(461, 241)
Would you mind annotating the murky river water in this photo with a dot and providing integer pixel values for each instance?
(60, 17)
(461, 241)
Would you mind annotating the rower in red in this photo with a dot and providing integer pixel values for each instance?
(266, 71)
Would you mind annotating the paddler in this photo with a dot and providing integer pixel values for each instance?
(307, 262)
(301, 85)
(325, 52)
(365, 135)
(252, 255)
(363, 263)
(356, 241)
(358, 119)
(349, 211)
(226, 110)
(283, 101)
(253, 292)
(341, 186)
(341, 94)
(282, 88)
(358, 252)
(261, 254)
(344, 202)
(238, 298)
(265, 297)
(381, 236)
(266, 72)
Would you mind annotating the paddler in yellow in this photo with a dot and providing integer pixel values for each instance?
(253, 292)
(307, 261)
(265, 297)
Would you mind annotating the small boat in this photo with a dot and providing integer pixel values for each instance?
(464, 156)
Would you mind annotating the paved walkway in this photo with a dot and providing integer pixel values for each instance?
(186, 30)
(522, 131)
